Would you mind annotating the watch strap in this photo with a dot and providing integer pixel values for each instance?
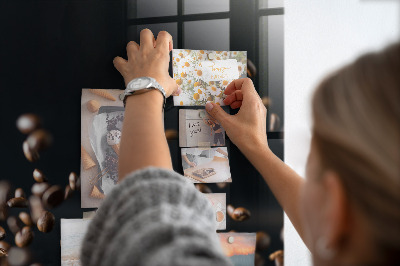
(154, 85)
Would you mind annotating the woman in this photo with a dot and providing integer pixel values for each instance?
(217, 129)
(346, 210)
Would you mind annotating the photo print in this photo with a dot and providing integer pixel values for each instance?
(218, 201)
(203, 74)
(206, 165)
(198, 129)
(72, 234)
(102, 115)
(239, 247)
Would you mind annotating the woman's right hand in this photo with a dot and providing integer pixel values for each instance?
(246, 129)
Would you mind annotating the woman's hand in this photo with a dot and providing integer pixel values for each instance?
(247, 129)
(149, 59)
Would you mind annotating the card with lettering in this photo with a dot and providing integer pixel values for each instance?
(203, 74)
(218, 201)
(198, 129)
(206, 165)
(239, 247)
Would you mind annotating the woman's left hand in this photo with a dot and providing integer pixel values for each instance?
(149, 59)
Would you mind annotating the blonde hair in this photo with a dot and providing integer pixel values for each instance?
(356, 114)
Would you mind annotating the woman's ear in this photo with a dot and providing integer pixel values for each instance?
(336, 212)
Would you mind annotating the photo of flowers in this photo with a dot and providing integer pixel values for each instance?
(102, 114)
(239, 247)
(72, 234)
(204, 74)
(218, 201)
(206, 165)
(198, 129)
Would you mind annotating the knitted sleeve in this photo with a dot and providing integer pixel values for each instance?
(153, 217)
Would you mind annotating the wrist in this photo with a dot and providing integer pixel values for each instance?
(256, 147)
(146, 99)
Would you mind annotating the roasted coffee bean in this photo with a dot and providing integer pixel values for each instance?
(266, 101)
(5, 195)
(19, 202)
(251, 69)
(73, 178)
(222, 185)
(53, 197)
(2, 233)
(24, 237)
(274, 122)
(230, 209)
(30, 155)
(39, 176)
(4, 245)
(14, 224)
(19, 256)
(203, 188)
(46, 222)
(19, 193)
(78, 184)
(38, 189)
(240, 214)
(27, 123)
(3, 211)
(171, 134)
(3, 253)
(39, 139)
(25, 218)
(36, 207)
(277, 256)
(258, 260)
(263, 241)
(68, 192)
(5, 191)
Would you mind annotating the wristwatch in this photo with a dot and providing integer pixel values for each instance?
(141, 85)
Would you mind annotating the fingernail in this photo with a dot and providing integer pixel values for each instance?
(179, 90)
(209, 106)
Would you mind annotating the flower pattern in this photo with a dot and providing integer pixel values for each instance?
(195, 91)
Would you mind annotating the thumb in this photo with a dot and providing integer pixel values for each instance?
(217, 112)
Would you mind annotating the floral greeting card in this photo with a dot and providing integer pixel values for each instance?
(203, 74)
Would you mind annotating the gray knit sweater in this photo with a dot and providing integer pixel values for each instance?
(153, 217)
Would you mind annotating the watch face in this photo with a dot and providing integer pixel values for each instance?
(140, 83)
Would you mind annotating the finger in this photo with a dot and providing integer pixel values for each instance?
(244, 84)
(119, 63)
(146, 40)
(236, 105)
(164, 41)
(235, 96)
(131, 48)
(172, 89)
(177, 92)
(217, 113)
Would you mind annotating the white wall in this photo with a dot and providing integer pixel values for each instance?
(320, 36)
